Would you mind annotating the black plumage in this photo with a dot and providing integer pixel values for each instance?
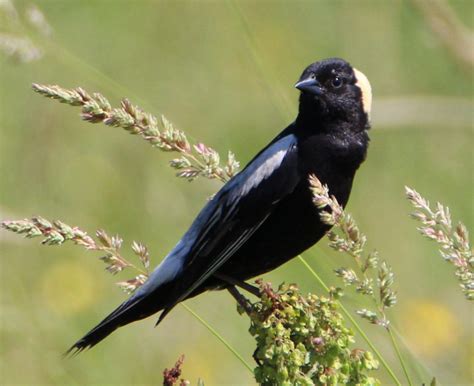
(264, 216)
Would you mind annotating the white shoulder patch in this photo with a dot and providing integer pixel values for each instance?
(366, 90)
(266, 163)
(261, 168)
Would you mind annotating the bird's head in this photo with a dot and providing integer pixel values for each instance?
(333, 89)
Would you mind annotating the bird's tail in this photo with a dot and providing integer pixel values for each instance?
(155, 295)
(131, 310)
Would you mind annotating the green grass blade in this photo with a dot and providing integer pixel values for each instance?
(219, 337)
(399, 355)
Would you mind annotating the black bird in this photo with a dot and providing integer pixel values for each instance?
(264, 216)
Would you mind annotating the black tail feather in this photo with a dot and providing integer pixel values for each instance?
(93, 337)
(141, 305)
(127, 312)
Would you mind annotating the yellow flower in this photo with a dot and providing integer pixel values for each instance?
(69, 287)
(429, 328)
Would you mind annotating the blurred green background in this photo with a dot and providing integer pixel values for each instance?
(223, 72)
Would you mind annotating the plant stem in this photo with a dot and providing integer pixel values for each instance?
(354, 323)
(399, 355)
(280, 99)
(218, 336)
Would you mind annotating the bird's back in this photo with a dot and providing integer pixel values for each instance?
(295, 225)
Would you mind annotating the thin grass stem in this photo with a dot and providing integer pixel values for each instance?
(219, 337)
(281, 101)
(399, 355)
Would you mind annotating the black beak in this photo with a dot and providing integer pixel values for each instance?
(310, 85)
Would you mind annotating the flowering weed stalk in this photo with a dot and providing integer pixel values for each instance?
(172, 376)
(303, 340)
(436, 225)
(57, 233)
(196, 160)
(374, 277)
(348, 239)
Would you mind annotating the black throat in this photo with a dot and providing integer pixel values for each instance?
(313, 113)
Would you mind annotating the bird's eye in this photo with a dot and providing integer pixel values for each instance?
(313, 75)
(337, 82)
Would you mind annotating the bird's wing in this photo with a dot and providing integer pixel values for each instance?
(232, 216)
(224, 224)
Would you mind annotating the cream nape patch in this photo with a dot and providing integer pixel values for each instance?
(366, 90)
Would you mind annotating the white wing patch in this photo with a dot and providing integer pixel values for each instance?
(266, 164)
(260, 169)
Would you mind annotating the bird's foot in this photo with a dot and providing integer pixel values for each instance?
(241, 299)
(242, 284)
(255, 358)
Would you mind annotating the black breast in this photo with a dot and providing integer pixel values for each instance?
(295, 225)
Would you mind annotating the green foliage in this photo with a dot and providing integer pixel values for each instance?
(303, 340)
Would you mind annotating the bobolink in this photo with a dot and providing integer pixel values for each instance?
(264, 216)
